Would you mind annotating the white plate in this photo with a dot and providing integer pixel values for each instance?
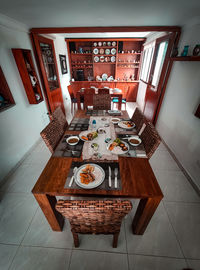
(137, 138)
(112, 59)
(95, 51)
(115, 120)
(119, 150)
(84, 133)
(101, 59)
(122, 124)
(95, 44)
(99, 43)
(113, 51)
(98, 173)
(101, 51)
(96, 59)
(108, 43)
(107, 51)
(114, 43)
(72, 137)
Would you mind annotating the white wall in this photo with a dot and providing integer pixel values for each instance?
(61, 48)
(177, 124)
(20, 125)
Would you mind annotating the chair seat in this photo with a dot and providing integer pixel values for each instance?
(116, 100)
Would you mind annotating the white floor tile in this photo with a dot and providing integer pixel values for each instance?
(194, 264)
(162, 160)
(41, 234)
(138, 262)
(23, 179)
(32, 258)
(7, 253)
(185, 218)
(16, 212)
(158, 239)
(88, 260)
(175, 186)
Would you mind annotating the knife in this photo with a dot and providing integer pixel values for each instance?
(116, 172)
(109, 178)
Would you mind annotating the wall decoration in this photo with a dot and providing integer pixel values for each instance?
(63, 63)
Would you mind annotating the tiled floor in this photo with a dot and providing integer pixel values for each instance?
(171, 241)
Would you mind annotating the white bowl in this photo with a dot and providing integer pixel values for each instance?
(72, 137)
(136, 138)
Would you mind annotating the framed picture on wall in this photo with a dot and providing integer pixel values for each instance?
(63, 63)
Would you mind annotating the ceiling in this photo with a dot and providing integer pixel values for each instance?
(65, 13)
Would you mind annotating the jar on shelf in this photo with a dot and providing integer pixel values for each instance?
(185, 50)
(196, 50)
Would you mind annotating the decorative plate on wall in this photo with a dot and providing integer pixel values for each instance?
(102, 59)
(114, 43)
(99, 43)
(96, 59)
(113, 51)
(104, 43)
(109, 43)
(112, 59)
(95, 44)
(101, 51)
(107, 51)
(95, 51)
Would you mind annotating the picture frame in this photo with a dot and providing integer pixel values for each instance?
(63, 63)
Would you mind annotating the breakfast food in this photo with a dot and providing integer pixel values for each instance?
(134, 141)
(90, 136)
(128, 123)
(73, 140)
(118, 147)
(86, 175)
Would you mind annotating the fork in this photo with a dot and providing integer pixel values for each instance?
(116, 173)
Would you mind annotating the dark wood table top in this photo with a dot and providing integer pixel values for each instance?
(138, 179)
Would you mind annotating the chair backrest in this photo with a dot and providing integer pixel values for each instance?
(51, 134)
(150, 139)
(88, 97)
(60, 117)
(103, 91)
(91, 216)
(138, 118)
(102, 102)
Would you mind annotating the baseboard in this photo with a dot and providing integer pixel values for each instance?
(2, 182)
(187, 175)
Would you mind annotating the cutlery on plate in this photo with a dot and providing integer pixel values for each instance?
(110, 175)
(116, 173)
(72, 178)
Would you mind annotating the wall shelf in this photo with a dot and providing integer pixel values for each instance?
(186, 58)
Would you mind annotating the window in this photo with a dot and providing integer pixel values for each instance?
(146, 62)
(159, 62)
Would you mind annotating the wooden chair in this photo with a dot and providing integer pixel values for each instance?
(73, 98)
(101, 102)
(51, 134)
(94, 217)
(59, 116)
(139, 119)
(150, 139)
(88, 97)
(103, 91)
(116, 100)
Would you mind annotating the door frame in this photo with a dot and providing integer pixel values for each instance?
(40, 64)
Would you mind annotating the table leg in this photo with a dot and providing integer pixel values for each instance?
(47, 204)
(144, 213)
(120, 102)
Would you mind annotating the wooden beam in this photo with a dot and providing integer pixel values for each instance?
(100, 29)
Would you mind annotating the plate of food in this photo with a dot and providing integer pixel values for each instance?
(127, 124)
(118, 147)
(134, 140)
(89, 176)
(88, 136)
(115, 120)
(72, 140)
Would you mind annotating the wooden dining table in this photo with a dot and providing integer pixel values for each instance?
(137, 179)
(118, 95)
